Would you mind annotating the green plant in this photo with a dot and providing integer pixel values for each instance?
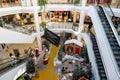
(75, 24)
(43, 24)
(76, 2)
(81, 72)
(42, 3)
(30, 66)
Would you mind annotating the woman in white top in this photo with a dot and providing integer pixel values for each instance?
(12, 59)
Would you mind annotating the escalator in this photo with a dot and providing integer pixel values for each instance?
(99, 62)
(115, 47)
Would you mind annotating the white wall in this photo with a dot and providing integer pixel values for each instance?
(8, 36)
(14, 73)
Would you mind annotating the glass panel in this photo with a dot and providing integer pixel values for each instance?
(23, 22)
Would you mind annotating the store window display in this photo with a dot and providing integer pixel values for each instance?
(62, 16)
(5, 3)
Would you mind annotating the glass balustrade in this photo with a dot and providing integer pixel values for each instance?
(8, 64)
(9, 3)
(26, 29)
(62, 25)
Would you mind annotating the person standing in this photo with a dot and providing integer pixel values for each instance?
(36, 51)
(12, 59)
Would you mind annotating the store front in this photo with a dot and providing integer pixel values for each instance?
(99, 1)
(64, 16)
(9, 3)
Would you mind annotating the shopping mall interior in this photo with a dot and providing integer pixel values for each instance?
(59, 39)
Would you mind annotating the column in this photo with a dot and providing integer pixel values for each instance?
(43, 16)
(28, 3)
(82, 16)
(39, 43)
(81, 20)
(74, 17)
(23, 3)
(37, 22)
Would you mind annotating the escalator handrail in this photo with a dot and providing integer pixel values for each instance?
(111, 10)
(111, 25)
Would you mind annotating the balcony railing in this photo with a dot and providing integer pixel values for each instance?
(9, 4)
(115, 4)
(61, 25)
(26, 29)
(6, 64)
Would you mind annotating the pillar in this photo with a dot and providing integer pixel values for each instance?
(39, 43)
(23, 3)
(74, 17)
(37, 22)
(82, 16)
(43, 16)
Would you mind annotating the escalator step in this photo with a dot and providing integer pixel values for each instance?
(95, 48)
(98, 57)
(103, 78)
(100, 64)
(100, 67)
(96, 51)
(102, 71)
(117, 59)
(97, 54)
(98, 60)
(95, 45)
(116, 52)
(103, 75)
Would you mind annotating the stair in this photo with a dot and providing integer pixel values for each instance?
(99, 62)
(115, 47)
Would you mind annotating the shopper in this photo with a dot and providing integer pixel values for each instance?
(12, 59)
(36, 51)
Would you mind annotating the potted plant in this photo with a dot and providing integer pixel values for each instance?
(43, 25)
(42, 4)
(76, 2)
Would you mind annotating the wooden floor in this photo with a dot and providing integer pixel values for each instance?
(48, 73)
